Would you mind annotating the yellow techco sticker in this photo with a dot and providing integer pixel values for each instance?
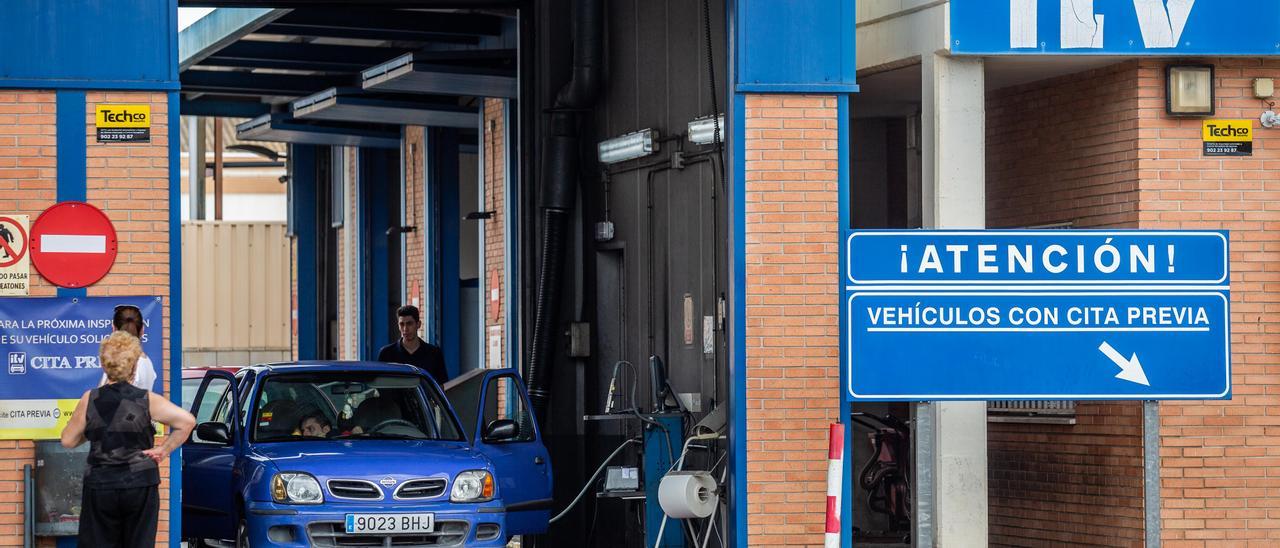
(1228, 137)
(118, 123)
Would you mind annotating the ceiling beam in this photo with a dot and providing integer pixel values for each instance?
(365, 34)
(247, 83)
(412, 74)
(350, 105)
(282, 128)
(217, 29)
(226, 108)
(296, 56)
(383, 20)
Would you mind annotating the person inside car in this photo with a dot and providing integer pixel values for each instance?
(315, 425)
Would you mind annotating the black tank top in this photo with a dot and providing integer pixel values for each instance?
(118, 427)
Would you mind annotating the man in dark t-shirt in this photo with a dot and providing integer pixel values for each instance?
(411, 349)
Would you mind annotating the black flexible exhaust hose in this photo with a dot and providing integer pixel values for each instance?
(549, 275)
(559, 193)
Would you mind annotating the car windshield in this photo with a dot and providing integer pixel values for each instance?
(351, 405)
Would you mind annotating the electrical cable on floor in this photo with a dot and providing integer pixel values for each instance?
(591, 481)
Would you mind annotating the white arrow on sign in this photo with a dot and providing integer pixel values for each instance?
(1130, 369)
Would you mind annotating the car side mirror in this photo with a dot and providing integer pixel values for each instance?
(501, 430)
(213, 432)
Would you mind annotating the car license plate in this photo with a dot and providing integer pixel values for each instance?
(358, 524)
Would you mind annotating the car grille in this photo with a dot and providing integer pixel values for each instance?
(354, 489)
(421, 489)
(326, 534)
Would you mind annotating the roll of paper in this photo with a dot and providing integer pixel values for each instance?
(685, 495)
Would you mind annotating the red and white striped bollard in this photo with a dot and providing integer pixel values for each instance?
(835, 471)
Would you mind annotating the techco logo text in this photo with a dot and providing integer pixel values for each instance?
(120, 116)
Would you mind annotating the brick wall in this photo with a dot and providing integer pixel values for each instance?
(1218, 485)
(414, 202)
(495, 254)
(1066, 150)
(129, 182)
(792, 339)
(1219, 460)
(28, 185)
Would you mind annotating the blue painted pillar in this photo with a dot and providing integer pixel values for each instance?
(443, 225)
(379, 184)
(304, 225)
(779, 48)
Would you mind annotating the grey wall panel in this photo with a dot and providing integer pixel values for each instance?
(657, 78)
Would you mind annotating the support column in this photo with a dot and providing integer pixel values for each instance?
(195, 167)
(952, 442)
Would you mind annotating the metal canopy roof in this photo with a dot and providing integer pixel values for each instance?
(415, 73)
(310, 67)
(282, 127)
(350, 105)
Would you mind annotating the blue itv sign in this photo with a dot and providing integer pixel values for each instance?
(1049, 314)
(1115, 27)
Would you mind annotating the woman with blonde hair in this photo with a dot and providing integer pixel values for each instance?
(121, 498)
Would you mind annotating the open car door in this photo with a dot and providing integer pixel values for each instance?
(494, 410)
(208, 457)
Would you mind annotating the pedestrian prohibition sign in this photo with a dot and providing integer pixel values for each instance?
(1036, 314)
(73, 244)
(15, 269)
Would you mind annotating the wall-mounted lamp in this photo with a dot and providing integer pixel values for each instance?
(401, 230)
(702, 131)
(1189, 90)
(628, 147)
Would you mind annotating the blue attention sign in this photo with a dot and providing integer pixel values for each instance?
(1036, 314)
(1115, 27)
(1052, 257)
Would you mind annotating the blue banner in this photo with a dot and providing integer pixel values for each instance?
(993, 345)
(1115, 27)
(1039, 257)
(51, 344)
(50, 347)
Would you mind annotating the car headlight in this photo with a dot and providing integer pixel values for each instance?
(472, 486)
(296, 488)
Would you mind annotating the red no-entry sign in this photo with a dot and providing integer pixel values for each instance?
(73, 244)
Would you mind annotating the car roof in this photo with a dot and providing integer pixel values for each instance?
(319, 366)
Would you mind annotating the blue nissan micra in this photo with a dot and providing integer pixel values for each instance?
(334, 454)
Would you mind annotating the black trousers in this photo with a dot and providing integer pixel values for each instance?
(119, 518)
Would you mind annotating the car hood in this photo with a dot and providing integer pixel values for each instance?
(373, 460)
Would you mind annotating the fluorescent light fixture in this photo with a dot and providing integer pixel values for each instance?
(702, 131)
(628, 147)
(1189, 90)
